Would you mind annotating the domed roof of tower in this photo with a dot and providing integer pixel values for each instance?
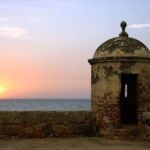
(122, 46)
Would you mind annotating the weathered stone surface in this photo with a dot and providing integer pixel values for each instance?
(59, 131)
(12, 118)
(28, 131)
(112, 60)
(42, 130)
(45, 124)
(121, 46)
(13, 130)
(106, 86)
(146, 118)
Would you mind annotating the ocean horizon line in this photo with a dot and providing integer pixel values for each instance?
(44, 98)
(44, 104)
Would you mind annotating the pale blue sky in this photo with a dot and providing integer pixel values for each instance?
(55, 38)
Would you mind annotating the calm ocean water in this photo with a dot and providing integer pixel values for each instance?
(45, 104)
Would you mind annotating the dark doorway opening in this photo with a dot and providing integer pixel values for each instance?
(128, 99)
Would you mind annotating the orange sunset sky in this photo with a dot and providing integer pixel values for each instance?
(45, 44)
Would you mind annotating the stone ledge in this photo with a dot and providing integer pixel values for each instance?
(119, 59)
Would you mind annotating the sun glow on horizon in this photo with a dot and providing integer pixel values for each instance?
(6, 87)
(2, 89)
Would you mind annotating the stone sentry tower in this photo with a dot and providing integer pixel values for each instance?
(120, 86)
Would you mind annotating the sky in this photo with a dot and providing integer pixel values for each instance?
(45, 44)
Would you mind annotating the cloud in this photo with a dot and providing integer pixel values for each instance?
(139, 26)
(12, 32)
(4, 19)
(32, 19)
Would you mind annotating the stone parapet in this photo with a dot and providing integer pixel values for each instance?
(36, 124)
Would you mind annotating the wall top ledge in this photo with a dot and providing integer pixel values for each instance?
(119, 59)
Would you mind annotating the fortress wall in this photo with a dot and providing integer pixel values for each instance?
(36, 124)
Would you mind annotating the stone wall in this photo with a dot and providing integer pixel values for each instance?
(106, 89)
(35, 124)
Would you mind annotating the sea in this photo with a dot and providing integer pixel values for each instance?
(45, 104)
